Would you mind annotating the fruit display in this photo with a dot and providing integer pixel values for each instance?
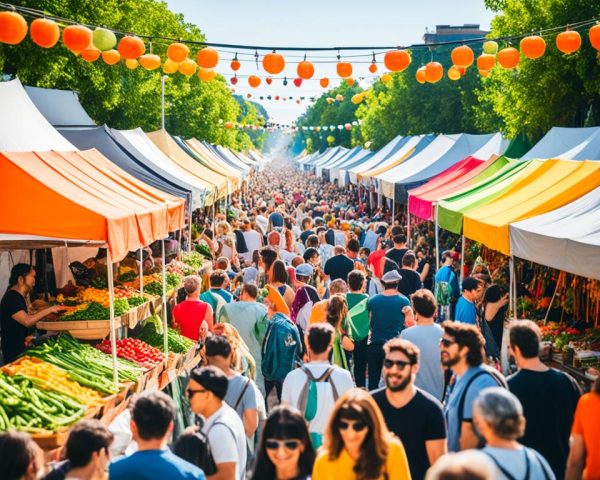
(152, 334)
(85, 364)
(26, 407)
(135, 350)
(49, 377)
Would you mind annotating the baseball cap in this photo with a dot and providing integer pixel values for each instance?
(304, 270)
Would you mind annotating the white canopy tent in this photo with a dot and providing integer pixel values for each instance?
(378, 158)
(567, 144)
(567, 238)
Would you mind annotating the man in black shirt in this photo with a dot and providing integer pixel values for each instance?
(339, 266)
(397, 253)
(413, 415)
(307, 229)
(411, 280)
(15, 320)
(548, 396)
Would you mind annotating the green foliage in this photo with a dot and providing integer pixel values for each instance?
(555, 90)
(125, 98)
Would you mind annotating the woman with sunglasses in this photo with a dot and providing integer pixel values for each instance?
(285, 451)
(358, 444)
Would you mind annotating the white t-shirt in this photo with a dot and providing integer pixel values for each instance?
(263, 223)
(228, 441)
(295, 381)
(253, 242)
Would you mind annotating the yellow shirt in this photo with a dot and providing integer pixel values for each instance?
(396, 465)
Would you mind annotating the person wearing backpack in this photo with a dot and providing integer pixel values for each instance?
(314, 387)
(446, 289)
(282, 347)
(462, 350)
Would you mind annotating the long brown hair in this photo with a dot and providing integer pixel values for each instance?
(337, 310)
(356, 404)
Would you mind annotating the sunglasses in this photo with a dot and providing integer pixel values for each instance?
(401, 364)
(356, 426)
(444, 342)
(272, 444)
(190, 393)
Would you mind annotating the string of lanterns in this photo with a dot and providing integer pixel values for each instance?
(91, 45)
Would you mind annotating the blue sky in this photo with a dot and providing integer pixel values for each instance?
(318, 23)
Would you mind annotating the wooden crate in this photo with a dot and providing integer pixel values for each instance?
(51, 440)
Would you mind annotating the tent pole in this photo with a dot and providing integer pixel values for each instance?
(407, 220)
(189, 245)
(462, 259)
(164, 301)
(511, 290)
(113, 329)
(437, 241)
(142, 271)
(162, 101)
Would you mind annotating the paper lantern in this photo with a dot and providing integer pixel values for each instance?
(229, 125)
(349, 82)
(248, 95)
(235, 64)
(150, 61)
(484, 73)
(339, 97)
(420, 75)
(207, 58)
(434, 72)
(533, 46)
(324, 82)
(111, 57)
(170, 66)
(233, 80)
(348, 126)
(77, 37)
(462, 56)
(253, 81)
(595, 36)
(90, 54)
(44, 33)
(205, 74)
(131, 47)
(509, 57)
(305, 70)
(453, 73)
(461, 70)
(486, 61)
(356, 99)
(386, 78)
(373, 68)
(132, 63)
(13, 28)
(396, 60)
(273, 63)
(344, 69)
(569, 41)
(490, 47)
(178, 52)
(330, 100)
(188, 67)
(297, 82)
(269, 80)
(104, 39)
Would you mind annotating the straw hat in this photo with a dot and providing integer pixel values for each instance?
(279, 303)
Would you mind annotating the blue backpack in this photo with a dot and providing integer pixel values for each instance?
(281, 348)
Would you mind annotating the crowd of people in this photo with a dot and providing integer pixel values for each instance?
(331, 349)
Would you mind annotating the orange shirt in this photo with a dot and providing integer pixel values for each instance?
(318, 313)
(587, 424)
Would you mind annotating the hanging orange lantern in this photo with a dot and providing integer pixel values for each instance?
(269, 80)
(344, 69)
(462, 56)
(170, 66)
(350, 81)
(149, 61)
(253, 81)
(90, 54)
(235, 64)
(569, 41)
(454, 73)
(273, 63)
(509, 57)
(111, 57)
(131, 48)
(188, 67)
(595, 36)
(533, 46)
(324, 82)
(205, 74)
(434, 72)
(207, 58)
(13, 28)
(373, 68)
(77, 37)
(420, 75)
(486, 62)
(44, 33)
(396, 60)
(356, 99)
(229, 125)
(178, 52)
(305, 70)
(339, 97)
(132, 63)
(484, 73)
(386, 78)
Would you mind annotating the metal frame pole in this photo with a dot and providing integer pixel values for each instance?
(141, 270)
(164, 301)
(437, 240)
(113, 329)
(462, 259)
(162, 101)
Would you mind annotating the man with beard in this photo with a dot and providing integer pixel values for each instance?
(462, 350)
(412, 414)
